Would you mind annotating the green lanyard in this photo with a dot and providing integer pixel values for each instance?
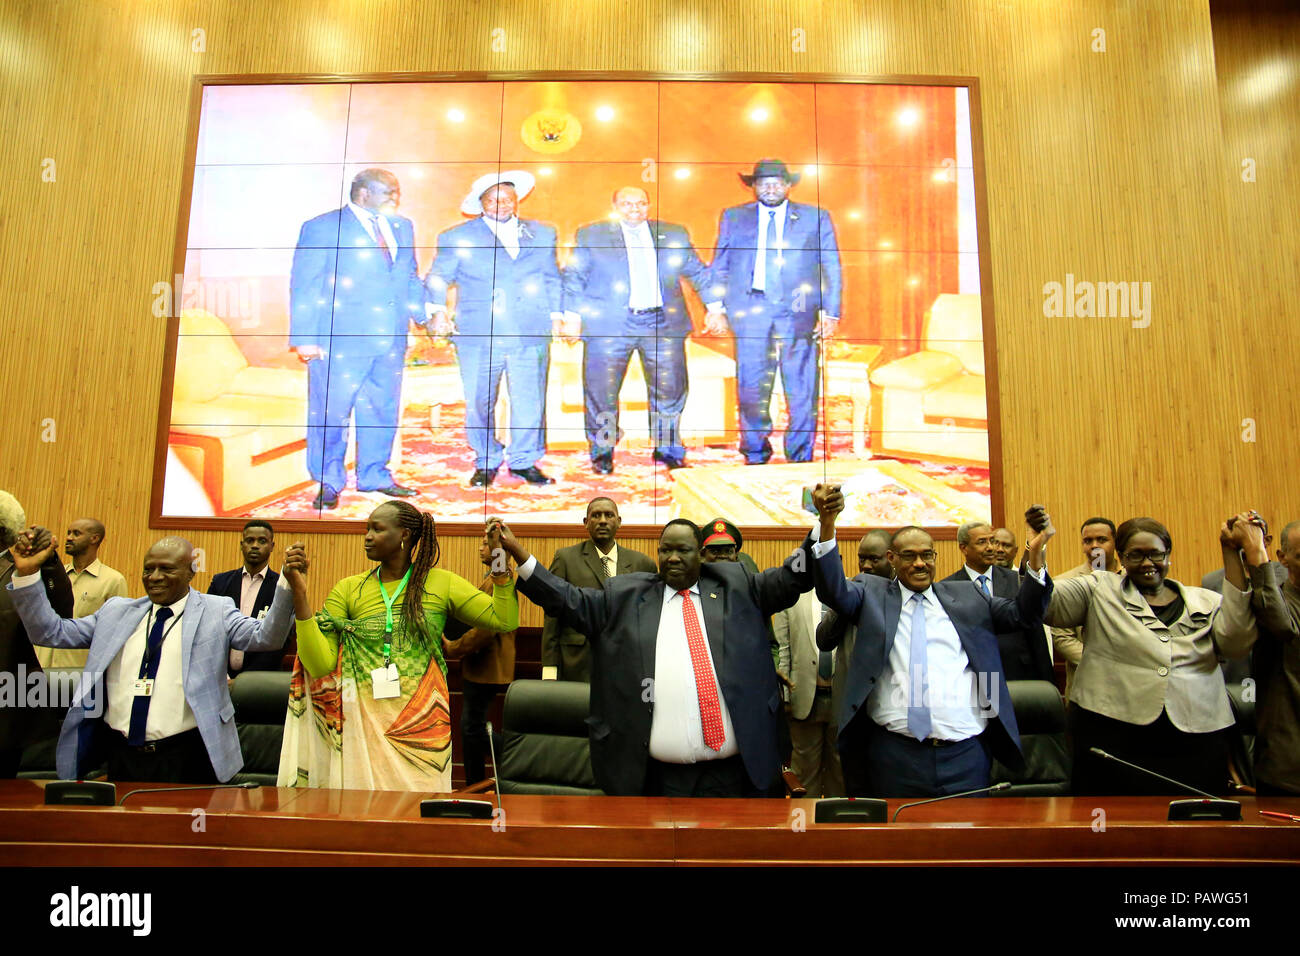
(388, 611)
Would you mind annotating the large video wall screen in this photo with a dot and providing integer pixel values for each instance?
(699, 298)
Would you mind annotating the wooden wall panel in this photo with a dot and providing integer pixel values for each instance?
(1109, 166)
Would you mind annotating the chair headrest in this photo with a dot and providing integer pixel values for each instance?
(1038, 706)
(260, 697)
(558, 707)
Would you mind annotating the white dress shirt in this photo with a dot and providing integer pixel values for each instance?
(507, 234)
(953, 689)
(642, 268)
(676, 732)
(760, 257)
(169, 712)
(249, 585)
(368, 220)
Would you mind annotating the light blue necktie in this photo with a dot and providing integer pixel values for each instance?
(984, 585)
(918, 676)
(772, 257)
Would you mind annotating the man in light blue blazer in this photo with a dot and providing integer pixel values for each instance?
(507, 306)
(153, 700)
(776, 268)
(353, 288)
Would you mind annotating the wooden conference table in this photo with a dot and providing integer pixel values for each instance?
(273, 826)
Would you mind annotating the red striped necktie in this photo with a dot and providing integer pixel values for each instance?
(705, 687)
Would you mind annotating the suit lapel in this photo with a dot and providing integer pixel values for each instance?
(624, 562)
(99, 660)
(1006, 583)
(713, 601)
(590, 557)
(962, 615)
(893, 610)
(189, 629)
(648, 610)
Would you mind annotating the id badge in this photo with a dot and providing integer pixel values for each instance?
(143, 687)
(385, 682)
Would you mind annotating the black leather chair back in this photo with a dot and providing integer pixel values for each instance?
(545, 747)
(1040, 714)
(261, 700)
(38, 761)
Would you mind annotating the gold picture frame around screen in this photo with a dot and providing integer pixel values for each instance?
(906, 403)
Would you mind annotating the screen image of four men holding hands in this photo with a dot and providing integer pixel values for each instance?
(774, 283)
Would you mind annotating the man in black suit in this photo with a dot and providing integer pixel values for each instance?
(566, 653)
(1025, 654)
(624, 286)
(252, 588)
(684, 697)
(925, 703)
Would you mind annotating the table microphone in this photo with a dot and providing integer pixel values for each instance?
(1210, 808)
(952, 796)
(496, 774)
(250, 785)
(465, 809)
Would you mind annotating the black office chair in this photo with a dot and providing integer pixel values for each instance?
(1040, 715)
(545, 747)
(38, 759)
(261, 699)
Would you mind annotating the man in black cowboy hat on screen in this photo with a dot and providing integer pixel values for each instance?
(776, 274)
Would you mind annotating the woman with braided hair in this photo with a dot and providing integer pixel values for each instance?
(368, 701)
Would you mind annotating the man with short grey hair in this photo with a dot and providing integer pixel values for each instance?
(1025, 653)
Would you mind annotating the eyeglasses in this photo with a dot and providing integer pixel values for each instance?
(1138, 557)
(910, 556)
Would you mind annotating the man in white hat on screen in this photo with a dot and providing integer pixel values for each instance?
(508, 299)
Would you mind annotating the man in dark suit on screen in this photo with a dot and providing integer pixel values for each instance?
(925, 703)
(353, 289)
(776, 273)
(684, 697)
(624, 286)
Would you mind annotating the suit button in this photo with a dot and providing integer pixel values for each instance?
(1163, 671)
(1165, 638)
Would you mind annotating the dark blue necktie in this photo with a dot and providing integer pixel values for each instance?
(772, 257)
(148, 671)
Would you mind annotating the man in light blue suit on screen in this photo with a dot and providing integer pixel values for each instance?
(153, 700)
(507, 306)
(353, 289)
(776, 267)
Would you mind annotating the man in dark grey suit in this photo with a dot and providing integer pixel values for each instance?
(566, 653)
(1238, 670)
(624, 285)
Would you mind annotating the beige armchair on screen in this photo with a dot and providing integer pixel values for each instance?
(239, 429)
(931, 404)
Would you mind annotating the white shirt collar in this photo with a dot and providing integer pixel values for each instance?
(259, 575)
(510, 227)
(363, 214)
(177, 607)
(669, 592)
